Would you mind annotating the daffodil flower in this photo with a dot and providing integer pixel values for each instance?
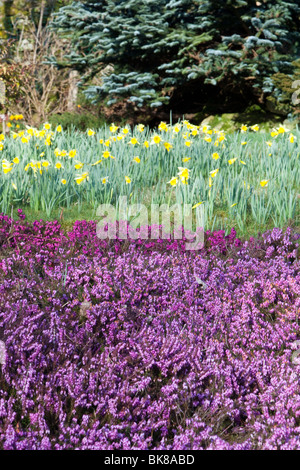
(113, 128)
(196, 205)
(173, 181)
(168, 146)
(163, 126)
(214, 172)
(72, 153)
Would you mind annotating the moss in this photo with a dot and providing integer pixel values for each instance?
(254, 114)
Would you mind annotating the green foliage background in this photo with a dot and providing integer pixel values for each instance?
(183, 54)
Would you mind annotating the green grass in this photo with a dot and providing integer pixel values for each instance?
(68, 216)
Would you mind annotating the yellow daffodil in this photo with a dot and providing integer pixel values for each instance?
(7, 167)
(255, 128)
(58, 165)
(63, 181)
(136, 159)
(186, 159)
(214, 172)
(215, 156)
(59, 129)
(133, 141)
(196, 205)
(231, 162)
(168, 146)
(184, 174)
(97, 162)
(127, 179)
(104, 180)
(292, 138)
(264, 183)
(140, 127)
(156, 139)
(281, 130)
(81, 178)
(113, 128)
(173, 181)
(146, 144)
(90, 132)
(163, 126)
(78, 165)
(16, 160)
(72, 153)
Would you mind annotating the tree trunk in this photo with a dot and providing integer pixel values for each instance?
(73, 90)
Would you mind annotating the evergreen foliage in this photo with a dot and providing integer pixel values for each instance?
(159, 47)
(286, 97)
